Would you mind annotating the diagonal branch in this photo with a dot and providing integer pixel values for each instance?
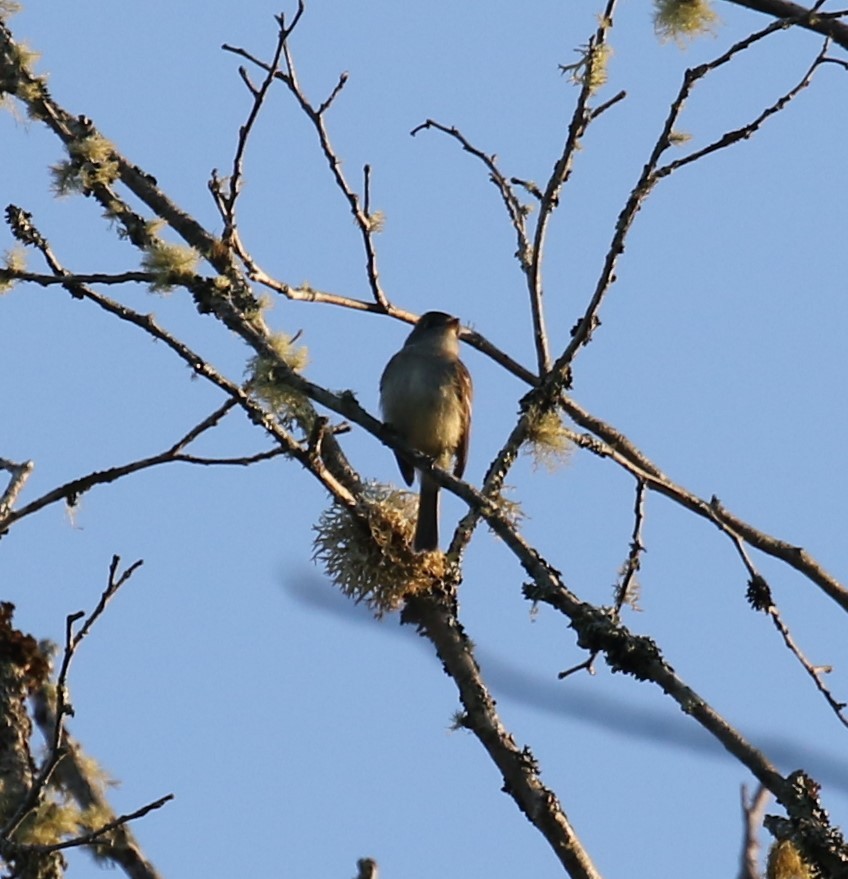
(746, 131)
(760, 598)
(517, 765)
(608, 442)
(828, 25)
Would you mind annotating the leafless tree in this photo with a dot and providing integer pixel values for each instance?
(364, 537)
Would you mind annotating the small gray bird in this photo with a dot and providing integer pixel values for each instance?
(425, 396)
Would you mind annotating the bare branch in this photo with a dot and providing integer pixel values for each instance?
(602, 108)
(838, 61)
(325, 105)
(56, 745)
(606, 441)
(743, 133)
(826, 24)
(77, 278)
(580, 121)
(627, 587)
(95, 836)
(228, 202)
(816, 672)
(586, 325)
(516, 211)
(517, 765)
(752, 811)
(73, 774)
(19, 475)
(70, 492)
(760, 598)
(316, 117)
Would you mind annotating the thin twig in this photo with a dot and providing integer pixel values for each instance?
(228, 202)
(316, 117)
(74, 775)
(366, 190)
(602, 108)
(761, 598)
(55, 750)
(752, 811)
(19, 473)
(838, 61)
(607, 442)
(516, 211)
(580, 120)
(95, 836)
(814, 671)
(627, 589)
(70, 492)
(745, 131)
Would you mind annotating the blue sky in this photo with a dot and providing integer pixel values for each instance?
(297, 734)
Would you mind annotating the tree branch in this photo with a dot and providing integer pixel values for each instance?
(809, 19)
(517, 765)
(365, 222)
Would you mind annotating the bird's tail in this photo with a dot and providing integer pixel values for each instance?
(427, 527)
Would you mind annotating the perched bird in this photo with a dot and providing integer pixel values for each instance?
(425, 397)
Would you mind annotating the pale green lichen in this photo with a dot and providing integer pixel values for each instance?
(547, 440)
(65, 178)
(169, 264)
(92, 163)
(22, 56)
(58, 817)
(376, 221)
(267, 380)
(32, 91)
(14, 261)
(678, 138)
(369, 556)
(591, 68)
(682, 20)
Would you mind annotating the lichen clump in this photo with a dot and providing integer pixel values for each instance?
(591, 68)
(168, 263)
(680, 20)
(547, 440)
(368, 554)
(14, 262)
(92, 163)
(785, 862)
(267, 379)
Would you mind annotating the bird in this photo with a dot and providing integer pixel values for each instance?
(425, 397)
